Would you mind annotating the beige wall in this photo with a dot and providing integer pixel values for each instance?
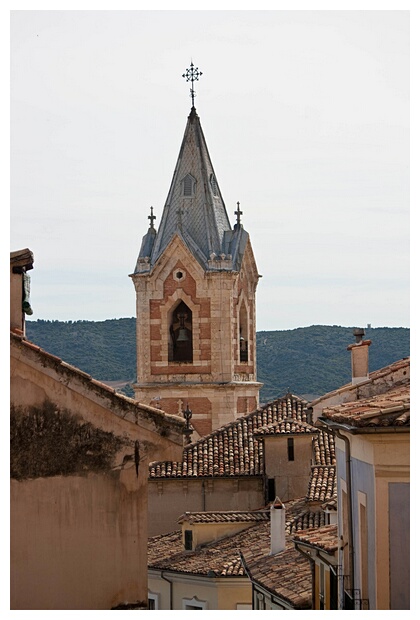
(391, 459)
(80, 541)
(169, 499)
(291, 477)
(222, 593)
(203, 533)
(35, 379)
(77, 542)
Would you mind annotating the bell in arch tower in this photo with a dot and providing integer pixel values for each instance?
(195, 281)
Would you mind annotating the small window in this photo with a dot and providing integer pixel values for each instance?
(291, 449)
(188, 185)
(271, 489)
(243, 333)
(188, 540)
(153, 600)
(213, 185)
(194, 603)
(259, 601)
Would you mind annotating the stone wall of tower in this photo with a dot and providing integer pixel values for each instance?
(217, 386)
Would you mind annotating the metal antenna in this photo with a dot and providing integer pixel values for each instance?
(191, 75)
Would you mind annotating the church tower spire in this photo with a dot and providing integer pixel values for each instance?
(195, 281)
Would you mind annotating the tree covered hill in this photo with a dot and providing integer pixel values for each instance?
(306, 361)
(314, 360)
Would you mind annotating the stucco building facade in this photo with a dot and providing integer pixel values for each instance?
(79, 469)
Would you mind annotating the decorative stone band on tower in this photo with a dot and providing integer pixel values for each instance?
(195, 281)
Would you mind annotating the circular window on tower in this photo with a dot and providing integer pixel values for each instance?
(179, 275)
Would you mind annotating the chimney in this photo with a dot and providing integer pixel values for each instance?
(359, 357)
(278, 527)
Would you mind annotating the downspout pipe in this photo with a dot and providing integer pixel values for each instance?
(334, 429)
(170, 590)
(349, 503)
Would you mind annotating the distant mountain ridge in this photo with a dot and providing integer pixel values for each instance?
(306, 361)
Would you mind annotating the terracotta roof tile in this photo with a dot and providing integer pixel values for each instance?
(307, 519)
(233, 449)
(324, 538)
(324, 449)
(237, 516)
(287, 573)
(390, 369)
(389, 409)
(286, 426)
(383, 378)
(322, 484)
(219, 559)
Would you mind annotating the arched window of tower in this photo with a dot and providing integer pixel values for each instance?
(243, 333)
(180, 344)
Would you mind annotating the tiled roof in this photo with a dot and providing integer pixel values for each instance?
(390, 369)
(384, 410)
(221, 558)
(322, 483)
(307, 519)
(233, 449)
(324, 449)
(324, 538)
(286, 574)
(384, 378)
(234, 516)
(330, 504)
(286, 427)
(218, 559)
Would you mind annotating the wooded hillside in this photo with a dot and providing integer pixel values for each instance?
(307, 361)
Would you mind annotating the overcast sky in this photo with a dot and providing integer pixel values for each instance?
(306, 116)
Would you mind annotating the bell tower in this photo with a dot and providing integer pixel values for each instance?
(195, 281)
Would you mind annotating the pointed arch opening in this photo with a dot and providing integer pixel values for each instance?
(243, 333)
(180, 346)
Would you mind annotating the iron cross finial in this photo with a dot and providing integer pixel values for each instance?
(151, 217)
(191, 75)
(238, 214)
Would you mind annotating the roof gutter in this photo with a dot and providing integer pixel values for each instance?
(362, 430)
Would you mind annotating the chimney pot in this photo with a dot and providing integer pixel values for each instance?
(277, 527)
(359, 356)
(359, 332)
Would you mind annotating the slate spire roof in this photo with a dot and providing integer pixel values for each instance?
(195, 211)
